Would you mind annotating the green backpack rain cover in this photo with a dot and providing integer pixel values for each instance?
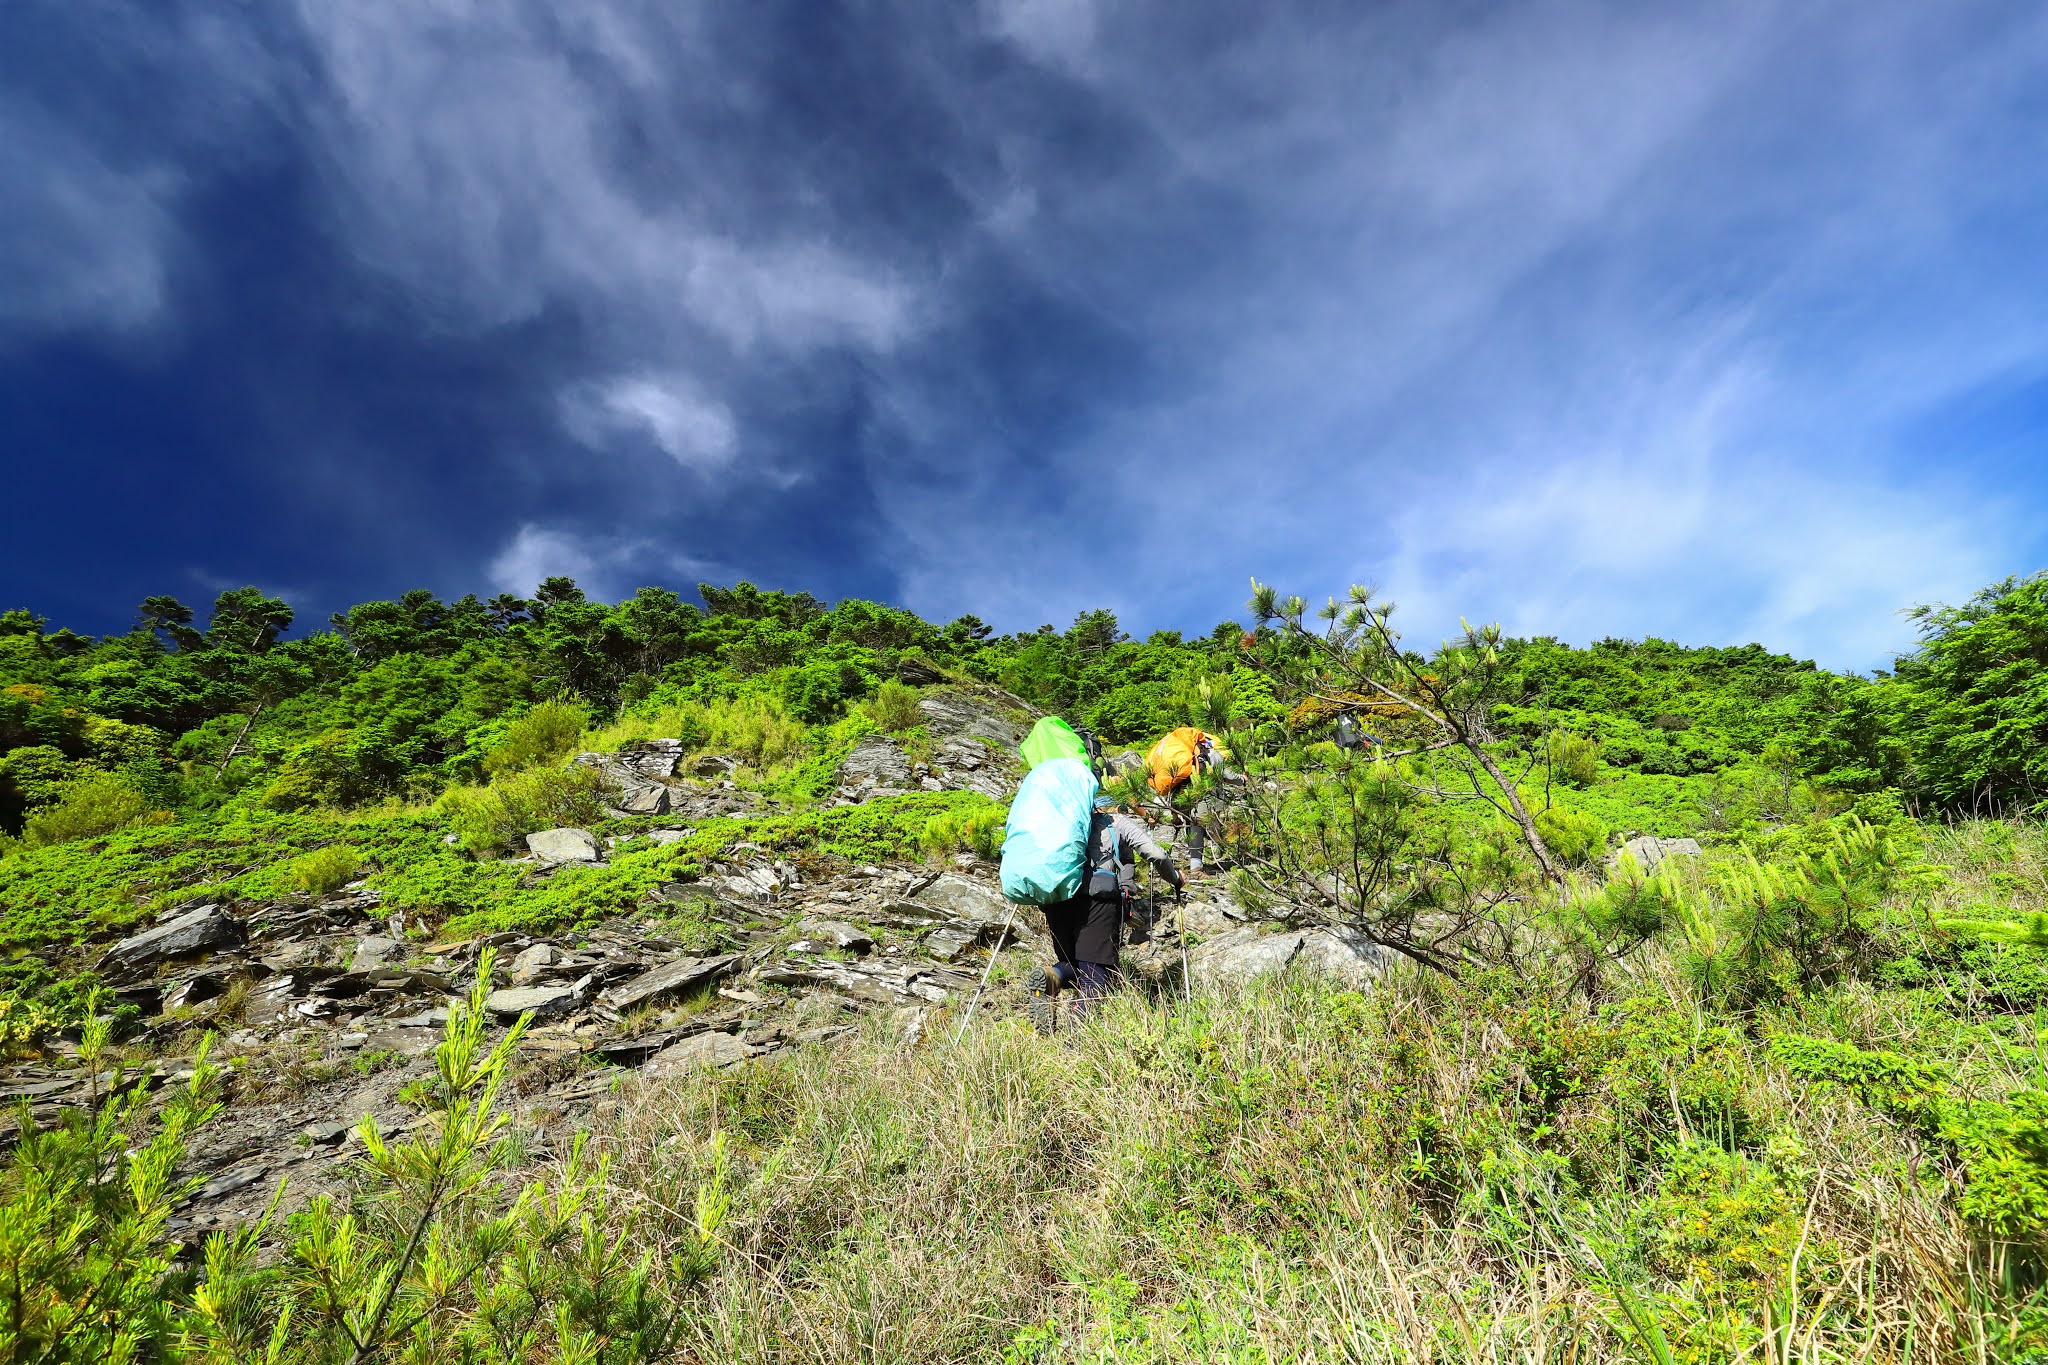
(1052, 738)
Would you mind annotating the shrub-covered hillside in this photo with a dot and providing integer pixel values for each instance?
(1770, 1086)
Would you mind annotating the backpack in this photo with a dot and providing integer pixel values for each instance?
(1173, 759)
(1045, 841)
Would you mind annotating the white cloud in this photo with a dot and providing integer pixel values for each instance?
(694, 430)
(1057, 32)
(536, 553)
(606, 567)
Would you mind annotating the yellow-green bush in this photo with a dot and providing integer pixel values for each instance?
(325, 869)
(978, 831)
(1573, 837)
(893, 708)
(96, 804)
(547, 733)
(516, 804)
(757, 729)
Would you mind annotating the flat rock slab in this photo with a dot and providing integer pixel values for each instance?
(673, 978)
(965, 899)
(557, 846)
(514, 1001)
(878, 760)
(704, 1051)
(1649, 850)
(191, 933)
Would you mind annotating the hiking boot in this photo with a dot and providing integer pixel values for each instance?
(1043, 1012)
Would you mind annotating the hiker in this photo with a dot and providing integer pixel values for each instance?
(1087, 928)
(1175, 761)
(1353, 736)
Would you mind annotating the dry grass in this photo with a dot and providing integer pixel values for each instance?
(1241, 1179)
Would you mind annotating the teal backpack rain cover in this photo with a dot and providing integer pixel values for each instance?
(1045, 844)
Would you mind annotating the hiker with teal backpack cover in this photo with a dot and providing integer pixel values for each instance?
(1045, 843)
(1064, 850)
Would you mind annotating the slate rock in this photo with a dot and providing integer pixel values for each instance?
(191, 933)
(838, 934)
(965, 899)
(556, 846)
(643, 798)
(702, 1051)
(955, 713)
(674, 978)
(669, 836)
(376, 951)
(514, 1001)
(532, 963)
(714, 765)
(878, 761)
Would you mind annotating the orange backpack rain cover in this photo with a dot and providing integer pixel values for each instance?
(1172, 760)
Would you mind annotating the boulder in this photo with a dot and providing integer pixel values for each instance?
(1241, 955)
(650, 758)
(190, 933)
(643, 798)
(1649, 850)
(669, 836)
(673, 978)
(699, 1052)
(514, 1001)
(556, 846)
(876, 761)
(1345, 955)
(714, 766)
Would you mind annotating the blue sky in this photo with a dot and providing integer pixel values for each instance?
(1720, 322)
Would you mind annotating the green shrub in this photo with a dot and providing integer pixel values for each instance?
(1573, 837)
(977, 830)
(516, 804)
(893, 708)
(325, 869)
(547, 733)
(1574, 760)
(100, 803)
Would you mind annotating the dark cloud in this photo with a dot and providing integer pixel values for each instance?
(1589, 317)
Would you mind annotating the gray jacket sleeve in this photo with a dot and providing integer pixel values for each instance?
(1132, 833)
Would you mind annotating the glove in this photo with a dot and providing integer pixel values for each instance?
(1180, 880)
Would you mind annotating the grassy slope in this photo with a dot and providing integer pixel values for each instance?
(1496, 1172)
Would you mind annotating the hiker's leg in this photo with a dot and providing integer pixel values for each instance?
(1095, 979)
(1196, 839)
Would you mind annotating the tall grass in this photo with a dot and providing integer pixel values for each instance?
(757, 729)
(1490, 1173)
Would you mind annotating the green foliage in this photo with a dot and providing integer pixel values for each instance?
(87, 1270)
(1576, 837)
(1814, 917)
(893, 708)
(976, 829)
(516, 804)
(91, 806)
(547, 733)
(325, 869)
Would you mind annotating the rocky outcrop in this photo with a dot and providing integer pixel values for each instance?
(190, 933)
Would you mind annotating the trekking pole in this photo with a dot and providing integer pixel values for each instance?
(1009, 918)
(1180, 929)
